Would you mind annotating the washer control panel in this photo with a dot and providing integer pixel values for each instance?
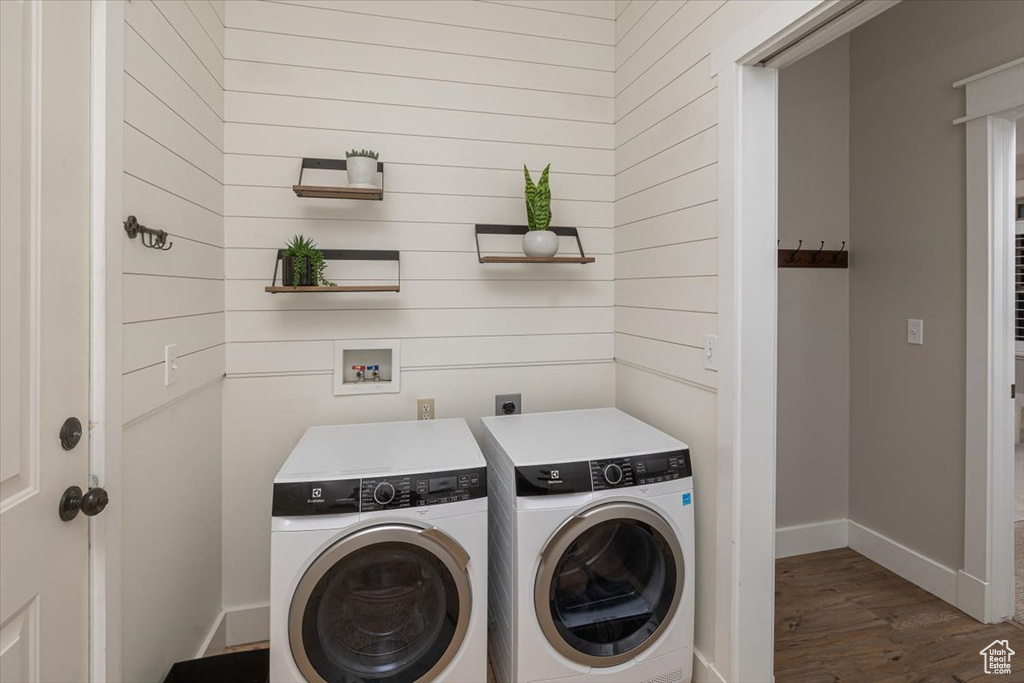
(639, 470)
(418, 490)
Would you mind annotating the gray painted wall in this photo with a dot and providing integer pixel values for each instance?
(814, 334)
(907, 213)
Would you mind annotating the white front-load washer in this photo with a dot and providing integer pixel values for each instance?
(379, 556)
(591, 549)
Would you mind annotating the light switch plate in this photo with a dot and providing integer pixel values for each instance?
(711, 352)
(170, 364)
(915, 331)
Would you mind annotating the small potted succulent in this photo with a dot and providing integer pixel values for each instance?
(303, 264)
(539, 242)
(362, 167)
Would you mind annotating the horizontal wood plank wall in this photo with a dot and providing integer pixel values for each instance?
(666, 249)
(173, 181)
(456, 96)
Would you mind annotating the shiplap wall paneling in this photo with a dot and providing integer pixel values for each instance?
(456, 97)
(174, 172)
(173, 181)
(666, 247)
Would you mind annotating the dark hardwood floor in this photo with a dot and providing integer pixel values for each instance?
(840, 617)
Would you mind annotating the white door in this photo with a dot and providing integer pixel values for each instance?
(44, 337)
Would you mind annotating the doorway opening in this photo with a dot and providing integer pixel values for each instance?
(966, 566)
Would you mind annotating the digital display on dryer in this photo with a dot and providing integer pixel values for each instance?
(439, 484)
(657, 465)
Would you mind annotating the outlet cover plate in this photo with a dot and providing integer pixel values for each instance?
(501, 399)
(424, 409)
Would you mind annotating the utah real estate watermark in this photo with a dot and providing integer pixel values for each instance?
(997, 657)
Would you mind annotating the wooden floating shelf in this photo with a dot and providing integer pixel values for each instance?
(352, 288)
(337, 192)
(341, 255)
(528, 259)
(522, 230)
(327, 192)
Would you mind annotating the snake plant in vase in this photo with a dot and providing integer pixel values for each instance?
(539, 242)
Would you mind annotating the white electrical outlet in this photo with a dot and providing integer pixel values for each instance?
(170, 364)
(711, 352)
(424, 409)
(915, 331)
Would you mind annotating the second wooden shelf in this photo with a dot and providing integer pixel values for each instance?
(522, 230)
(281, 289)
(341, 255)
(530, 259)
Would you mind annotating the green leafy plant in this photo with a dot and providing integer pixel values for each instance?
(538, 200)
(362, 153)
(303, 254)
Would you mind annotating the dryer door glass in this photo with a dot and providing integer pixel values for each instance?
(612, 589)
(388, 611)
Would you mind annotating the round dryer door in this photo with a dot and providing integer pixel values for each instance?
(389, 603)
(609, 583)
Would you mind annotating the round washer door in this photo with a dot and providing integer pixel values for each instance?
(609, 583)
(389, 603)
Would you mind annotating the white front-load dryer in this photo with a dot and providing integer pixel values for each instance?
(379, 556)
(591, 547)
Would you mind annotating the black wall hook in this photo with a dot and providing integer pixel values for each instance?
(796, 252)
(835, 257)
(153, 239)
(814, 256)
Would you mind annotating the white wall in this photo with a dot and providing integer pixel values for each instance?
(813, 412)
(665, 237)
(907, 209)
(173, 172)
(456, 97)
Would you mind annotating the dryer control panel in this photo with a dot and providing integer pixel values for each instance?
(417, 490)
(639, 470)
(601, 475)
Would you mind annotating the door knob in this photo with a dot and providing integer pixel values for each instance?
(92, 502)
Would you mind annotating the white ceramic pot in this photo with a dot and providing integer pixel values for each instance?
(540, 244)
(362, 171)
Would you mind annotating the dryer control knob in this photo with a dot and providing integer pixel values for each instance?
(384, 493)
(613, 474)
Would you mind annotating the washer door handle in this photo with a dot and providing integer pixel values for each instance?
(441, 538)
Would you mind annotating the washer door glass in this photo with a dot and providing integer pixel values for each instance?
(385, 612)
(613, 588)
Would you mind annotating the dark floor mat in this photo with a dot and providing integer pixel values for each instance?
(237, 667)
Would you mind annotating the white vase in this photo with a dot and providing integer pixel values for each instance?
(362, 171)
(540, 244)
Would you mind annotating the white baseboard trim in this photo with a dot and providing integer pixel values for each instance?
(939, 580)
(972, 596)
(811, 538)
(247, 625)
(704, 671)
(216, 640)
(236, 626)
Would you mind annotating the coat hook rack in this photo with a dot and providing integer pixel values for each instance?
(153, 239)
(813, 258)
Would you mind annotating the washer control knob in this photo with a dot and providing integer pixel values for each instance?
(612, 474)
(384, 493)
